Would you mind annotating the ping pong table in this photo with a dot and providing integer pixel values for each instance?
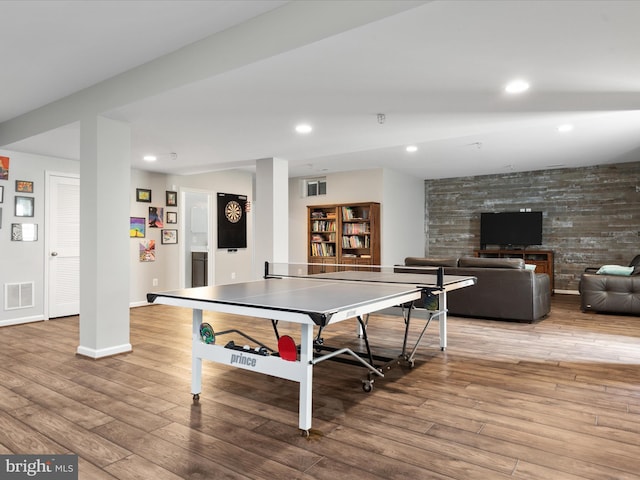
(290, 293)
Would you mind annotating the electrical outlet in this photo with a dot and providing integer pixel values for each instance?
(155, 282)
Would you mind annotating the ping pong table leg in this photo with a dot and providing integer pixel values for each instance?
(442, 319)
(196, 362)
(306, 383)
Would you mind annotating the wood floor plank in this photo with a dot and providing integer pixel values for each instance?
(247, 437)
(553, 461)
(17, 437)
(71, 436)
(134, 467)
(72, 410)
(181, 461)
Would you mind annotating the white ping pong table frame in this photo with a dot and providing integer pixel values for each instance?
(301, 370)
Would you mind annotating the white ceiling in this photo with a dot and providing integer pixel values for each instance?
(436, 71)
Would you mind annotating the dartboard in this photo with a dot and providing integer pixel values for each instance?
(233, 211)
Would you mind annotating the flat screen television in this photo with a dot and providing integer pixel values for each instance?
(511, 229)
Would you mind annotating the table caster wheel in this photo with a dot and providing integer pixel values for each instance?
(304, 433)
(196, 397)
(367, 385)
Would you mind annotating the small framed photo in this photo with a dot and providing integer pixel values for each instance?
(1, 194)
(169, 236)
(172, 199)
(24, 232)
(143, 195)
(24, 206)
(24, 186)
(172, 217)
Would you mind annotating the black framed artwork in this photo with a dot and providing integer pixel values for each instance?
(143, 195)
(169, 236)
(172, 199)
(232, 220)
(24, 186)
(24, 206)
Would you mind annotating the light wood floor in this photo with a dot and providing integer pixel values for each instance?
(558, 399)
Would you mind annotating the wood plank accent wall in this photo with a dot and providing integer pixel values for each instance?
(591, 215)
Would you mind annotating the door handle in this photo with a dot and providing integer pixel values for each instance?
(54, 254)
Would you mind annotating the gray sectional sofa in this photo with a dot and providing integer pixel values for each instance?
(505, 290)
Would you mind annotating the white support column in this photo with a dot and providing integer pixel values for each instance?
(271, 212)
(105, 172)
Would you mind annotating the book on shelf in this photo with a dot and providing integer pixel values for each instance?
(354, 213)
(355, 228)
(323, 226)
(322, 250)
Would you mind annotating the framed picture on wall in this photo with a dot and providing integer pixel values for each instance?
(169, 237)
(24, 206)
(172, 217)
(1, 194)
(156, 217)
(143, 195)
(4, 168)
(172, 199)
(24, 232)
(137, 227)
(24, 186)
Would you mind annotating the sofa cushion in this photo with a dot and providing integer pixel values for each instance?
(615, 270)
(610, 293)
(474, 262)
(430, 262)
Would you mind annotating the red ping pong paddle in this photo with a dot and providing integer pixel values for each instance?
(287, 348)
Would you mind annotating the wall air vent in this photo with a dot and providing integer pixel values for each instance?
(18, 295)
(314, 187)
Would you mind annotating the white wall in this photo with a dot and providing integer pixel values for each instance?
(401, 210)
(357, 186)
(165, 266)
(227, 267)
(403, 205)
(25, 261)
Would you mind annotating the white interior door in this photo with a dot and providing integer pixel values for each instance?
(63, 235)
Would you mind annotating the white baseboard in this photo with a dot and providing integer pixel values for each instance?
(18, 321)
(104, 352)
(142, 303)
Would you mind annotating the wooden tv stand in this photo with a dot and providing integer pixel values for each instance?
(542, 259)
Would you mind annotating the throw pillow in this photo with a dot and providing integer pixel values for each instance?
(614, 270)
(530, 267)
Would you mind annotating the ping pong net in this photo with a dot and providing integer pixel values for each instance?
(397, 274)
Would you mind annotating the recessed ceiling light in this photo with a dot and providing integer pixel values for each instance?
(567, 127)
(303, 128)
(412, 148)
(517, 86)
(150, 158)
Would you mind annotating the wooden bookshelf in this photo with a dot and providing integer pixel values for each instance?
(347, 234)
